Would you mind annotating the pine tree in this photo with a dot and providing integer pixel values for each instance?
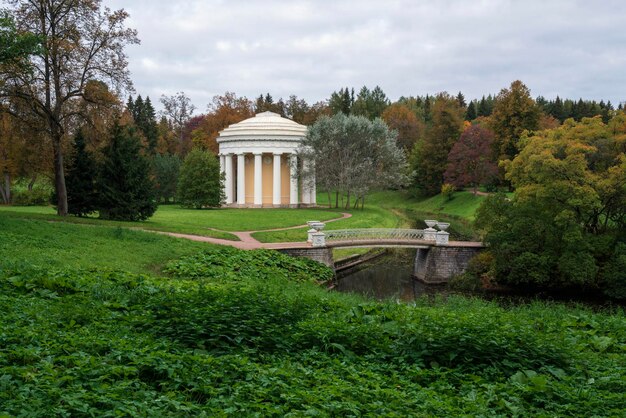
(80, 180)
(149, 125)
(126, 191)
(470, 114)
(461, 99)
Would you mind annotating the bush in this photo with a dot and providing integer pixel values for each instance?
(200, 183)
(479, 273)
(447, 190)
(39, 195)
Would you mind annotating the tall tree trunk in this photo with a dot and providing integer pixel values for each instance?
(59, 176)
(362, 201)
(330, 201)
(348, 200)
(337, 199)
(5, 192)
(31, 183)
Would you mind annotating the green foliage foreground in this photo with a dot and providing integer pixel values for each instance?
(248, 333)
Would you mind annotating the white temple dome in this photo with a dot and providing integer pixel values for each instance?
(264, 126)
(259, 159)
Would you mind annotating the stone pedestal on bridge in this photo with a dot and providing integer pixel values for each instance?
(436, 265)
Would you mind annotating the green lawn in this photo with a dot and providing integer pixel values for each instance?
(111, 322)
(396, 209)
(172, 218)
(389, 209)
(41, 244)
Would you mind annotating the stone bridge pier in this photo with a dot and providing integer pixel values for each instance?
(436, 265)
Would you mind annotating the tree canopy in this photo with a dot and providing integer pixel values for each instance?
(352, 155)
(566, 225)
(200, 182)
(81, 42)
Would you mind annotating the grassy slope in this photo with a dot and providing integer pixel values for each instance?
(239, 340)
(43, 244)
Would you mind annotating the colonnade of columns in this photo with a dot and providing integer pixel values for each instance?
(237, 195)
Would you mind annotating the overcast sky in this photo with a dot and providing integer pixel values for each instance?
(311, 48)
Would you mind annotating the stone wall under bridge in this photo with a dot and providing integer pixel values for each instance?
(432, 265)
(437, 265)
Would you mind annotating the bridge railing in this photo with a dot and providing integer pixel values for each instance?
(373, 234)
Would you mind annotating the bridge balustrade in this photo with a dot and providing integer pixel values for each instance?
(373, 234)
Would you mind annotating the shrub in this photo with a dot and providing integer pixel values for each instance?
(447, 190)
(29, 192)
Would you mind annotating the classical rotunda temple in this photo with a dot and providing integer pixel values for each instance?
(258, 157)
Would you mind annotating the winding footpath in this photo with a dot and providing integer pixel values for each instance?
(247, 241)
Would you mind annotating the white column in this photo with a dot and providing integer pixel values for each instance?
(241, 179)
(306, 187)
(258, 179)
(277, 183)
(313, 188)
(222, 163)
(229, 178)
(293, 180)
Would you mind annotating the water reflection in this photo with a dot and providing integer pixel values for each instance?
(387, 277)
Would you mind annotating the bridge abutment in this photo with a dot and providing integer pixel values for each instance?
(440, 264)
(322, 255)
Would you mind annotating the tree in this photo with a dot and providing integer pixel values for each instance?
(167, 142)
(352, 155)
(429, 156)
(81, 179)
(223, 111)
(166, 169)
(513, 113)
(144, 115)
(200, 183)
(471, 114)
(370, 104)
(266, 104)
(566, 225)
(81, 42)
(23, 152)
(341, 102)
(16, 47)
(178, 108)
(460, 98)
(471, 162)
(125, 189)
(399, 117)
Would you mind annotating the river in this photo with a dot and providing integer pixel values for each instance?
(387, 277)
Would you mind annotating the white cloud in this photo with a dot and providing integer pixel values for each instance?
(310, 48)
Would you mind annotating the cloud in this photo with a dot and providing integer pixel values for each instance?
(311, 48)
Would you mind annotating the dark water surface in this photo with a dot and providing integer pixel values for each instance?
(391, 277)
(387, 277)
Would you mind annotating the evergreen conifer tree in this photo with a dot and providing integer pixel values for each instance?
(81, 180)
(470, 114)
(126, 191)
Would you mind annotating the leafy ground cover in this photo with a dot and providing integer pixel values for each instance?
(216, 332)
